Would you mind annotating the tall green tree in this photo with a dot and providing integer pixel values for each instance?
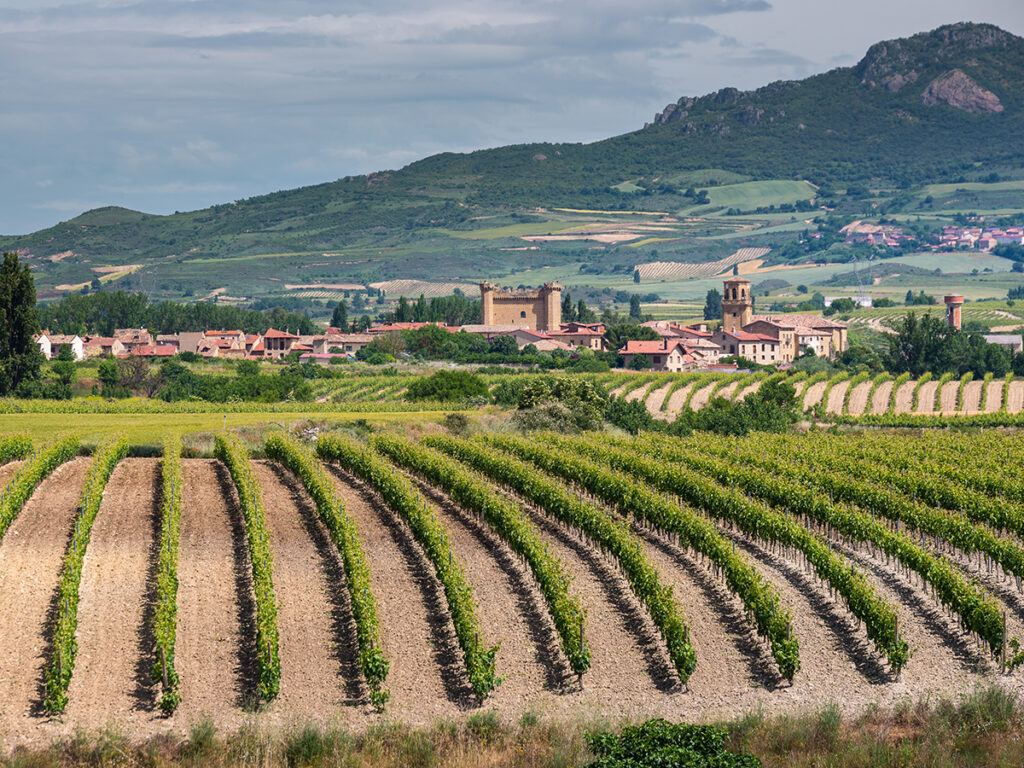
(20, 357)
(339, 318)
(568, 308)
(634, 308)
(713, 305)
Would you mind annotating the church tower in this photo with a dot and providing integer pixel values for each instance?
(737, 306)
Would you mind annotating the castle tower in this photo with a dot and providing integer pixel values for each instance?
(552, 295)
(539, 310)
(953, 305)
(737, 306)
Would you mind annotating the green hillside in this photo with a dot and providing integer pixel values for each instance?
(869, 137)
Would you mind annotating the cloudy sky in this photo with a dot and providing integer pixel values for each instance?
(164, 105)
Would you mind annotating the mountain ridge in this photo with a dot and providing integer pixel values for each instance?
(871, 123)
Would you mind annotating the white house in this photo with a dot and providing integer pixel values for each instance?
(50, 344)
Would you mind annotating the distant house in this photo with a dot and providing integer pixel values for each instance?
(587, 335)
(278, 343)
(1011, 341)
(663, 355)
(51, 344)
(544, 342)
(154, 350)
(133, 337)
(98, 346)
(348, 343)
(758, 347)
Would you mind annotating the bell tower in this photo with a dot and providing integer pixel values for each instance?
(737, 306)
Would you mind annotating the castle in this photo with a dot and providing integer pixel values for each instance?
(539, 310)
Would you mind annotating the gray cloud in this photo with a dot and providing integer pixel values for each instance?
(166, 105)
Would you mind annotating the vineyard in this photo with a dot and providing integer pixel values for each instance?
(424, 577)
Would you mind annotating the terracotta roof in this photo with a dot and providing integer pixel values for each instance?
(224, 333)
(659, 347)
(578, 332)
(746, 336)
(791, 321)
(273, 333)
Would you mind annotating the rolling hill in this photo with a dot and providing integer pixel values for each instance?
(942, 107)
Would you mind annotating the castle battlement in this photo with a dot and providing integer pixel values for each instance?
(539, 309)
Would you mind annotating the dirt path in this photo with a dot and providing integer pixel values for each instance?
(728, 390)
(702, 395)
(972, 396)
(880, 397)
(1015, 397)
(657, 397)
(995, 396)
(729, 655)
(676, 400)
(813, 394)
(904, 398)
(30, 560)
(836, 397)
(319, 651)
(640, 392)
(511, 608)
(947, 397)
(926, 397)
(427, 674)
(212, 653)
(7, 472)
(750, 389)
(628, 656)
(834, 655)
(859, 398)
(115, 644)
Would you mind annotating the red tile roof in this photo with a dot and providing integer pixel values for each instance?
(651, 347)
(273, 333)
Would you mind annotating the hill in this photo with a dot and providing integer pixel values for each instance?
(945, 106)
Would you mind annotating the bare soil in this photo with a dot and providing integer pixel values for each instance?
(972, 396)
(115, 643)
(859, 398)
(318, 647)
(995, 396)
(656, 398)
(213, 654)
(926, 397)
(640, 393)
(1015, 397)
(881, 396)
(752, 388)
(814, 393)
(31, 556)
(836, 396)
(427, 677)
(675, 402)
(728, 390)
(702, 395)
(8, 470)
(947, 397)
(904, 397)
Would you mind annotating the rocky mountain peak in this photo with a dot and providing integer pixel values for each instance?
(956, 89)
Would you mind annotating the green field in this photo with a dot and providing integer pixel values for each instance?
(755, 194)
(149, 428)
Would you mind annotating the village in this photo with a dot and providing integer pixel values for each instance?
(529, 317)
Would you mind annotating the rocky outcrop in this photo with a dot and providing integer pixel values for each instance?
(891, 58)
(894, 82)
(956, 89)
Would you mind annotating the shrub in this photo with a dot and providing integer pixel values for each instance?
(660, 743)
(449, 386)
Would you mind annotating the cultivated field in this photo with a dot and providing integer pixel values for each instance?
(681, 578)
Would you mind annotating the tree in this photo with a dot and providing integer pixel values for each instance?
(568, 310)
(584, 314)
(20, 356)
(713, 305)
(634, 307)
(845, 304)
(339, 318)
(640, 363)
(403, 314)
(504, 345)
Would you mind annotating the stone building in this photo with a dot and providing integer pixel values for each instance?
(538, 310)
(793, 333)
